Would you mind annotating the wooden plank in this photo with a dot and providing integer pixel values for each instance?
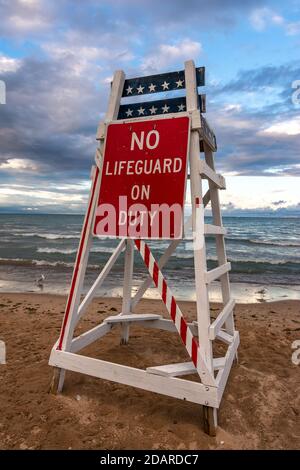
(207, 134)
(217, 272)
(171, 386)
(154, 108)
(173, 370)
(229, 357)
(127, 288)
(224, 337)
(2, 353)
(90, 336)
(216, 326)
(115, 96)
(132, 317)
(210, 229)
(162, 82)
(219, 363)
(202, 300)
(220, 241)
(210, 174)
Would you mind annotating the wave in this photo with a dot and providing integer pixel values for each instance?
(263, 242)
(36, 262)
(49, 236)
(70, 251)
(67, 251)
(267, 242)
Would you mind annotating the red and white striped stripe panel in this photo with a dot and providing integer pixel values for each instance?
(181, 325)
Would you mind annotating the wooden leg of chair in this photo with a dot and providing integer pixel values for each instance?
(57, 381)
(210, 420)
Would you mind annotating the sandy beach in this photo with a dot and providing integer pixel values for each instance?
(260, 407)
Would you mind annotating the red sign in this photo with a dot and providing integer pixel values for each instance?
(143, 179)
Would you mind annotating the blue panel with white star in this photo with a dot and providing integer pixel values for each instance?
(154, 108)
(159, 83)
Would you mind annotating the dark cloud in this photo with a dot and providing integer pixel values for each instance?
(56, 96)
(278, 203)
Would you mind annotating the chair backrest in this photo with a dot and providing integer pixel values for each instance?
(153, 84)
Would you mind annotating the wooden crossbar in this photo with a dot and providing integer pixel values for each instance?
(217, 272)
(182, 368)
(210, 229)
(216, 326)
(209, 173)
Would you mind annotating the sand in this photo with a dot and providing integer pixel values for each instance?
(260, 407)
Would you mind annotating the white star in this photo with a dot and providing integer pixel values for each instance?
(141, 110)
(165, 85)
(129, 90)
(179, 83)
(153, 110)
(151, 87)
(165, 108)
(140, 89)
(181, 107)
(129, 112)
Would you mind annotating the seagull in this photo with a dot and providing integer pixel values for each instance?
(40, 281)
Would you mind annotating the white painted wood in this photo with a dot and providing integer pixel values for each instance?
(112, 112)
(224, 337)
(161, 379)
(100, 279)
(101, 131)
(216, 326)
(223, 374)
(127, 288)
(2, 353)
(207, 173)
(210, 229)
(170, 386)
(219, 363)
(203, 313)
(173, 370)
(115, 96)
(90, 337)
(220, 242)
(86, 239)
(217, 272)
(132, 317)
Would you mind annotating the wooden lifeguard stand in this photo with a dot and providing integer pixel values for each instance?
(197, 336)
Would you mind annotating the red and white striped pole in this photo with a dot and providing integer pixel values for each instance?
(181, 325)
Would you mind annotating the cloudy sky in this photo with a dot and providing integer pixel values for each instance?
(57, 59)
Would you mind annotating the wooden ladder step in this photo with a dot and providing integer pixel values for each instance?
(217, 272)
(219, 363)
(225, 337)
(173, 370)
(214, 230)
(208, 173)
(132, 317)
(182, 368)
(216, 326)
